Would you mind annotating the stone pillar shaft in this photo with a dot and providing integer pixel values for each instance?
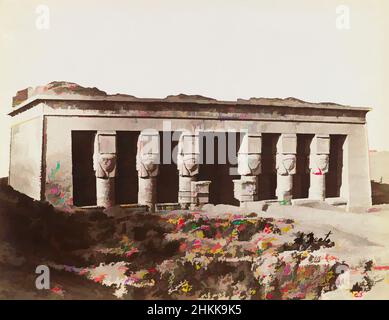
(318, 187)
(185, 190)
(188, 167)
(318, 164)
(284, 189)
(147, 191)
(105, 192)
(147, 164)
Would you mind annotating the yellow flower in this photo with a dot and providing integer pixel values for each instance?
(286, 229)
(199, 234)
(234, 233)
(186, 287)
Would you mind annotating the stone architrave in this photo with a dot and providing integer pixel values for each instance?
(104, 165)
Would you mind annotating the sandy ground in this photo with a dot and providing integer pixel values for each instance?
(358, 237)
(82, 248)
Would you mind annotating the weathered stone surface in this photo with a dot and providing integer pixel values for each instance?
(286, 165)
(200, 192)
(319, 165)
(104, 165)
(60, 108)
(147, 163)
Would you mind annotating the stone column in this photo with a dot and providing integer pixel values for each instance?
(318, 165)
(249, 167)
(104, 165)
(285, 165)
(147, 164)
(188, 166)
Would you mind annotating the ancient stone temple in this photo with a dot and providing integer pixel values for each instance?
(80, 147)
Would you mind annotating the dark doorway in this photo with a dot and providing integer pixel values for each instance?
(268, 177)
(215, 164)
(301, 180)
(334, 175)
(167, 180)
(84, 179)
(126, 184)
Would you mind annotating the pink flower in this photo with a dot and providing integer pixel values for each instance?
(54, 190)
(287, 270)
(99, 278)
(131, 252)
(57, 290)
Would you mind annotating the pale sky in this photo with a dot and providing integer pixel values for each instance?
(222, 49)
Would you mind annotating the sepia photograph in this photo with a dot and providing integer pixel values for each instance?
(194, 150)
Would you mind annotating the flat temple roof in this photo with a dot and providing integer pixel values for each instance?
(66, 91)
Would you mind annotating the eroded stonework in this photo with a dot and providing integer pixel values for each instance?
(288, 149)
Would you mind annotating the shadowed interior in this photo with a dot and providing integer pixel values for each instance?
(84, 179)
(221, 189)
(301, 180)
(126, 184)
(167, 180)
(268, 177)
(334, 175)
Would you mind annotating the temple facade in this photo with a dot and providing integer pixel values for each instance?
(80, 147)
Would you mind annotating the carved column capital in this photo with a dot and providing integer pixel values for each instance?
(188, 155)
(319, 163)
(319, 156)
(147, 157)
(104, 155)
(104, 165)
(286, 164)
(249, 155)
(286, 154)
(249, 164)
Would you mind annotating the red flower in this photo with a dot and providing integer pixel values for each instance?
(267, 229)
(99, 278)
(152, 270)
(216, 247)
(269, 296)
(180, 223)
(56, 290)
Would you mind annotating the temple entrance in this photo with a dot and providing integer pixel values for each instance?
(301, 180)
(218, 154)
(126, 181)
(268, 177)
(167, 179)
(335, 170)
(84, 179)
